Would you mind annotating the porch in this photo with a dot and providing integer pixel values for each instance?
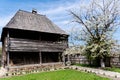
(28, 58)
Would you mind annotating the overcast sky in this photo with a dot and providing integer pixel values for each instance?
(55, 10)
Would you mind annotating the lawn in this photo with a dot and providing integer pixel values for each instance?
(58, 75)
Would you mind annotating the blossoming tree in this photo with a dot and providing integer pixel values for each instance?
(99, 19)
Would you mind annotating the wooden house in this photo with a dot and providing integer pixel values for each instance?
(31, 39)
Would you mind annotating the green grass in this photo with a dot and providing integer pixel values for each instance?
(112, 69)
(58, 75)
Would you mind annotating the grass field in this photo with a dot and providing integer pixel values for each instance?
(58, 75)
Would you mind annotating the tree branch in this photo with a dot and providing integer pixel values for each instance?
(81, 22)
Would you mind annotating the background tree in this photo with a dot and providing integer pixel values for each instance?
(99, 19)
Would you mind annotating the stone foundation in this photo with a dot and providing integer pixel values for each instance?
(27, 69)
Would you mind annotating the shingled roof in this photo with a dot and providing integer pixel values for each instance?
(34, 22)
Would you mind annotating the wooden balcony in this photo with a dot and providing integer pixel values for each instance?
(16, 44)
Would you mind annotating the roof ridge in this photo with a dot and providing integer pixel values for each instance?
(30, 12)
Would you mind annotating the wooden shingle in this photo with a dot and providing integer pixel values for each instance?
(34, 22)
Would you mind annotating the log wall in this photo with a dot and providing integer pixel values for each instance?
(17, 44)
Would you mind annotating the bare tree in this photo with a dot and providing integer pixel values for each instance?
(99, 19)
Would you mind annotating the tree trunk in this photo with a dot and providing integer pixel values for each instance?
(90, 62)
(102, 63)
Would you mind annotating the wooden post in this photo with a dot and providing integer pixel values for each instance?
(63, 58)
(8, 60)
(3, 54)
(59, 59)
(7, 49)
(68, 56)
(40, 55)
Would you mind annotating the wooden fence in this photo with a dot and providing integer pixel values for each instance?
(109, 61)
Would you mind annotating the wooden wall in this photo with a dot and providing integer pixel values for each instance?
(31, 41)
(17, 44)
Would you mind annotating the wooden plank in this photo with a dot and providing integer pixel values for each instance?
(31, 65)
(33, 50)
(35, 41)
(37, 45)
